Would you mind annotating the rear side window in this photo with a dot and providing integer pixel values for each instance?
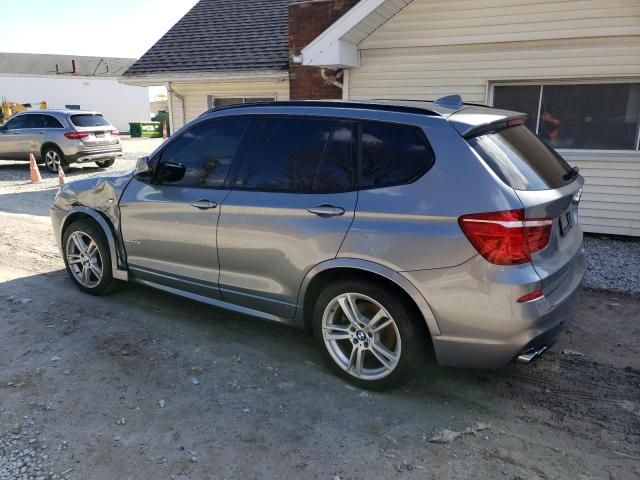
(522, 160)
(393, 155)
(301, 155)
(89, 120)
(38, 120)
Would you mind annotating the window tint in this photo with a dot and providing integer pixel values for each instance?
(15, 123)
(207, 151)
(393, 155)
(89, 120)
(287, 154)
(38, 120)
(521, 159)
(519, 98)
(337, 170)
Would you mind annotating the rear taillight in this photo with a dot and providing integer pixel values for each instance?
(115, 132)
(76, 135)
(506, 238)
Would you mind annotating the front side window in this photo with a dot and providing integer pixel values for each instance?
(206, 151)
(393, 155)
(597, 116)
(15, 123)
(301, 155)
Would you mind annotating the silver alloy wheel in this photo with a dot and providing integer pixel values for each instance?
(83, 257)
(361, 336)
(52, 160)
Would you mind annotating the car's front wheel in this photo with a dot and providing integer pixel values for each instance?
(53, 157)
(87, 257)
(367, 333)
(106, 163)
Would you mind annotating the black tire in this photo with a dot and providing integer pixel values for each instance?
(92, 230)
(106, 163)
(53, 151)
(403, 314)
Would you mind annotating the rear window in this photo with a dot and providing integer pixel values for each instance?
(522, 160)
(89, 120)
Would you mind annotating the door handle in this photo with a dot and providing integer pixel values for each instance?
(204, 204)
(326, 210)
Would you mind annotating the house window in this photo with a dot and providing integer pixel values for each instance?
(597, 116)
(217, 102)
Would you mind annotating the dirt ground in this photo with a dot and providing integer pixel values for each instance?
(144, 385)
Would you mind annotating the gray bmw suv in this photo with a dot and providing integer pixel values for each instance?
(386, 228)
(60, 137)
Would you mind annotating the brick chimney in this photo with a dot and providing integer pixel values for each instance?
(307, 20)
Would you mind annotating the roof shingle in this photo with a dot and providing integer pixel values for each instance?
(221, 35)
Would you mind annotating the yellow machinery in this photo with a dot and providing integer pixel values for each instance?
(9, 109)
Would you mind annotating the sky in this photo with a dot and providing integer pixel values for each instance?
(111, 28)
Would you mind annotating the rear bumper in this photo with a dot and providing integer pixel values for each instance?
(95, 154)
(482, 325)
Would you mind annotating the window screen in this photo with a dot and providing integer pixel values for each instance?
(207, 151)
(578, 116)
(393, 155)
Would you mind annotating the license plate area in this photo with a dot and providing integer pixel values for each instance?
(565, 222)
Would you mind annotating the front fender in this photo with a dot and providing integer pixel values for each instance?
(62, 218)
(375, 268)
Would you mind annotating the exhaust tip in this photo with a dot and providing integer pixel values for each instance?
(529, 355)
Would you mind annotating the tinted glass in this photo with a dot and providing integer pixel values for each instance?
(207, 151)
(337, 170)
(51, 122)
(15, 123)
(37, 120)
(287, 153)
(519, 98)
(89, 120)
(597, 116)
(393, 155)
(521, 159)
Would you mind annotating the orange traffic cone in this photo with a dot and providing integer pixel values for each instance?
(164, 130)
(61, 178)
(33, 167)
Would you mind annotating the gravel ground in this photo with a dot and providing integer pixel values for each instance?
(612, 264)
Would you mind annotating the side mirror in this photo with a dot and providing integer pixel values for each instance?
(170, 172)
(143, 170)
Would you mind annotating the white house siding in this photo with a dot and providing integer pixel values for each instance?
(195, 95)
(120, 103)
(433, 48)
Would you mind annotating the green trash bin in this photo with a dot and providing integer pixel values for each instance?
(145, 129)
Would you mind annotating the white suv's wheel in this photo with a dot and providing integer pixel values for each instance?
(367, 333)
(53, 157)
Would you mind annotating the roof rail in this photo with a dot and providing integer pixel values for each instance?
(364, 105)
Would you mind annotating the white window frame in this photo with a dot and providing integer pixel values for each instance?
(541, 83)
(244, 98)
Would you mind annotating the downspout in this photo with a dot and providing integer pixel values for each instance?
(180, 98)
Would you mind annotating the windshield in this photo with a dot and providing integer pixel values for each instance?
(89, 120)
(522, 160)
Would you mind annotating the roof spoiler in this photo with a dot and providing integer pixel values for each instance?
(474, 121)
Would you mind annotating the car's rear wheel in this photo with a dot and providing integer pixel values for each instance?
(87, 257)
(367, 333)
(53, 157)
(106, 163)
